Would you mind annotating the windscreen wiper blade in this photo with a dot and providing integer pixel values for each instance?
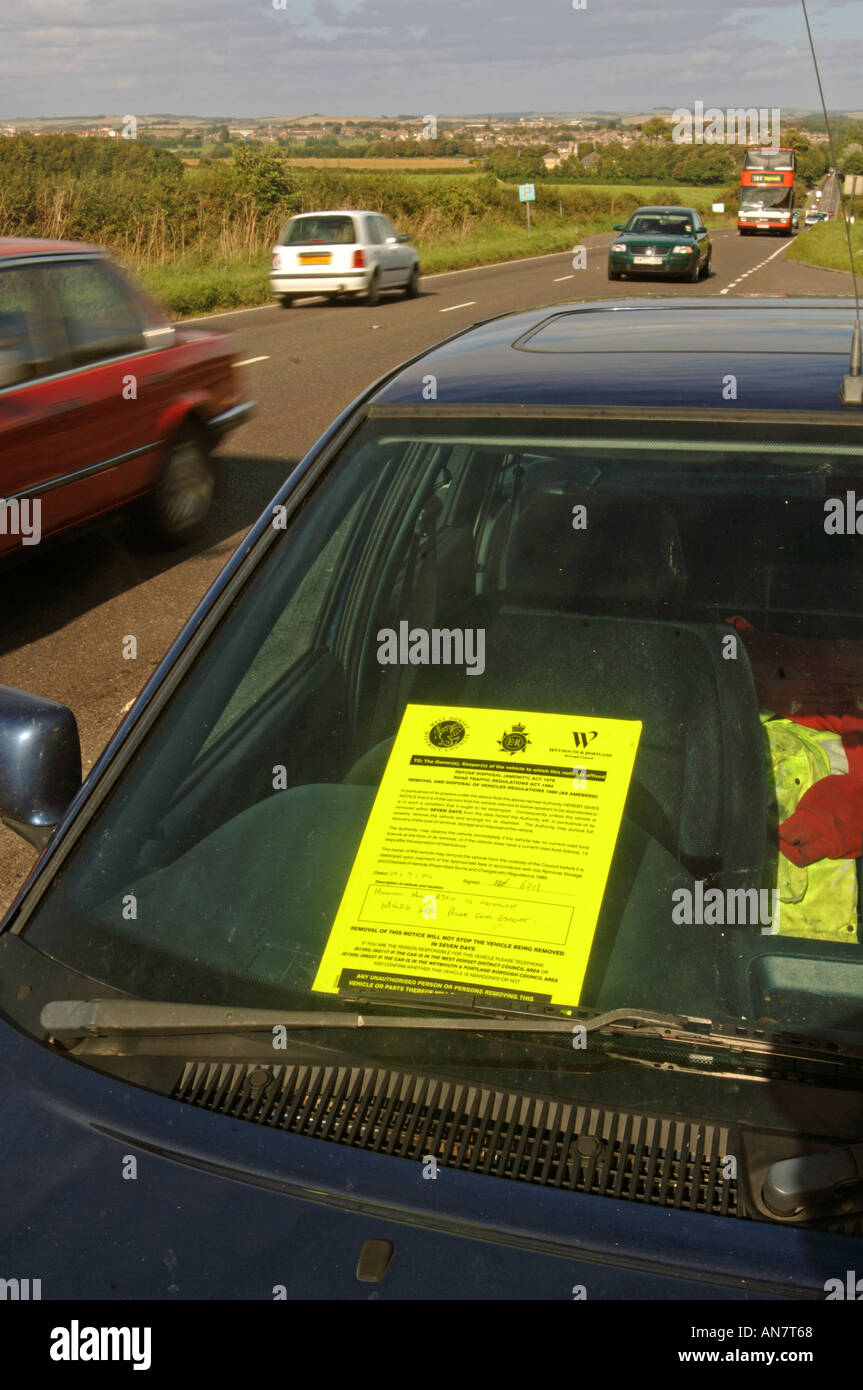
(67, 1019)
(70, 1019)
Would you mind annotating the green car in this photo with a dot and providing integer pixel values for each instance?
(671, 242)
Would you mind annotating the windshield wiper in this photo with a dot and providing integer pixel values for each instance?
(79, 1018)
(67, 1020)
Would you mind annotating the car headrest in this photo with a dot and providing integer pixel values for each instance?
(628, 553)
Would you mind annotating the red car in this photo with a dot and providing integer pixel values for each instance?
(103, 400)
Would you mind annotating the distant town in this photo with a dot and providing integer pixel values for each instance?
(556, 139)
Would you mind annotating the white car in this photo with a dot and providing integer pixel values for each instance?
(342, 253)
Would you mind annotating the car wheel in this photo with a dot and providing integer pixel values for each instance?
(373, 293)
(613, 274)
(705, 270)
(180, 502)
(413, 283)
(286, 300)
(694, 273)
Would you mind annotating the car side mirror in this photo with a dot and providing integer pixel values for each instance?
(618, 227)
(40, 764)
(403, 238)
(13, 367)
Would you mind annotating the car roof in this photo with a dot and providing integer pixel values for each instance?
(338, 212)
(785, 355)
(38, 246)
(662, 209)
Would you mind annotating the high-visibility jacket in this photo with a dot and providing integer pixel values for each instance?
(818, 900)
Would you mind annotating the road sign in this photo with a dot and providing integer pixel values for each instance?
(527, 195)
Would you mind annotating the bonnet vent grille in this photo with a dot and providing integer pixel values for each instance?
(610, 1153)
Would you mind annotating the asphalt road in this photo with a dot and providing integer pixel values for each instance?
(65, 612)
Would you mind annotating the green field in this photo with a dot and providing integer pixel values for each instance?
(825, 245)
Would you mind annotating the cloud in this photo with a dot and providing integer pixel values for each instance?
(372, 57)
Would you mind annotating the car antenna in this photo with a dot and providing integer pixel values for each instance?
(851, 390)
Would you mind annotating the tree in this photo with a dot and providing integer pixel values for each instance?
(853, 163)
(516, 164)
(849, 157)
(812, 165)
(656, 129)
(271, 182)
(793, 139)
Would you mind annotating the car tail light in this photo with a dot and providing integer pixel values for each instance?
(276, 261)
(359, 260)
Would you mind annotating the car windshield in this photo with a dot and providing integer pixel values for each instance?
(614, 658)
(327, 230)
(659, 224)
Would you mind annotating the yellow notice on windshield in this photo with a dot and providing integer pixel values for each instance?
(484, 861)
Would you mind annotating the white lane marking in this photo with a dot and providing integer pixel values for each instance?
(557, 279)
(450, 307)
(227, 313)
(759, 266)
(247, 361)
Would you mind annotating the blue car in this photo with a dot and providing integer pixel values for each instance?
(469, 906)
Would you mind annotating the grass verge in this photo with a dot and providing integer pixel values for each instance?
(825, 245)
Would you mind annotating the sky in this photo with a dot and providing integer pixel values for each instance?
(247, 58)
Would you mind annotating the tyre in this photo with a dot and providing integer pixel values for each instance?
(286, 300)
(373, 293)
(613, 274)
(178, 507)
(695, 273)
(705, 272)
(413, 283)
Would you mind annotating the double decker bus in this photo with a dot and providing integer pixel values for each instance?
(766, 191)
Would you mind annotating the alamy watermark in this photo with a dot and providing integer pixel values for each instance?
(843, 516)
(850, 1288)
(77, 1343)
(437, 646)
(21, 517)
(20, 1290)
(729, 907)
(736, 125)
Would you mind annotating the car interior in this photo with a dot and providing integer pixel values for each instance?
(624, 617)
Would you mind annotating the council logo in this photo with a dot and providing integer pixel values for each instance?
(446, 733)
